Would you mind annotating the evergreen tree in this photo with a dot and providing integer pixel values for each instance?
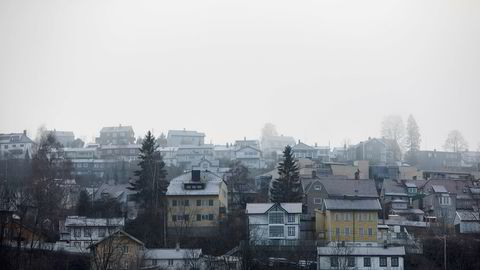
(287, 187)
(83, 205)
(151, 184)
(412, 140)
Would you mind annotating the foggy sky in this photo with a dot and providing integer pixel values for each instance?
(321, 71)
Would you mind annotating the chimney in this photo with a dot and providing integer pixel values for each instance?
(314, 174)
(24, 132)
(195, 175)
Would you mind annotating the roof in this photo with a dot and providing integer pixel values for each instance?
(211, 180)
(113, 190)
(247, 146)
(344, 187)
(15, 138)
(261, 208)
(455, 186)
(172, 253)
(439, 189)
(364, 251)
(62, 133)
(115, 233)
(189, 133)
(119, 128)
(352, 204)
(410, 185)
(302, 146)
(84, 221)
(468, 215)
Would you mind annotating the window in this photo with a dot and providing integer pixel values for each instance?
(275, 218)
(170, 262)
(87, 232)
(199, 217)
(101, 232)
(317, 187)
(367, 262)
(317, 200)
(174, 218)
(291, 218)
(125, 249)
(346, 231)
(351, 261)
(370, 232)
(77, 244)
(360, 231)
(210, 216)
(291, 231)
(337, 231)
(199, 202)
(394, 261)
(210, 202)
(333, 262)
(186, 217)
(276, 231)
(77, 232)
(444, 200)
(186, 203)
(383, 261)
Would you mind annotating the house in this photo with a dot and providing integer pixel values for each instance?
(302, 150)
(316, 190)
(80, 232)
(348, 220)
(197, 203)
(224, 152)
(250, 157)
(273, 146)
(274, 223)
(118, 250)
(169, 155)
(16, 146)
(244, 143)
(190, 155)
(438, 160)
(80, 153)
(173, 259)
(125, 152)
(116, 135)
(185, 137)
(402, 198)
(340, 256)
(376, 151)
(467, 221)
(63, 137)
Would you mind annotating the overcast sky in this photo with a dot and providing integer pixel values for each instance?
(321, 71)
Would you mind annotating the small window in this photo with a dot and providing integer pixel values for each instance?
(174, 218)
(370, 232)
(317, 187)
(291, 218)
(199, 217)
(199, 202)
(351, 261)
(187, 203)
(87, 232)
(317, 200)
(125, 249)
(383, 261)
(77, 232)
(360, 231)
(394, 261)
(210, 202)
(347, 231)
(291, 231)
(174, 202)
(170, 262)
(337, 231)
(333, 261)
(101, 232)
(367, 262)
(210, 216)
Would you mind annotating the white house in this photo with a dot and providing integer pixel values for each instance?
(343, 256)
(80, 232)
(175, 258)
(250, 157)
(185, 137)
(274, 223)
(15, 145)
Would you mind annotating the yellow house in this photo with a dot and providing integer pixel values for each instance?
(349, 220)
(119, 250)
(197, 201)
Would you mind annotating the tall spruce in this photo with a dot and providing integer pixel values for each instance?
(287, 187)
(151, 184)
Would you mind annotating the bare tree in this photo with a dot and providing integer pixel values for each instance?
(182, 217)
(394, 129)
(116, 252)
(455, 142)
(192, 259)
(412, 140)
(341, 254)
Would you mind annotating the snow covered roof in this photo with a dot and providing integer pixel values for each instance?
(354, 204)
(439, 189)
(468, 215)
(172, 253)
(211, 181)
(84, 221)
(117, 129)
(261, 208)
(190, 133)
(363, 251)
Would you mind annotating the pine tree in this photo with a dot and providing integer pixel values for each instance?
(412, 140)
(151, 184)
(287, 187)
